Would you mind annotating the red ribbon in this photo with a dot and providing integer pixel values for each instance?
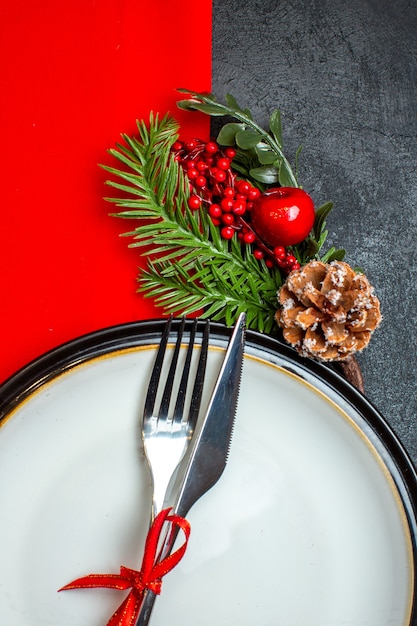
(149, 576)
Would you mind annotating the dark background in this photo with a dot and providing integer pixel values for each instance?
(344, 76)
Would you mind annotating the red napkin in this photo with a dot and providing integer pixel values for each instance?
(74, 75)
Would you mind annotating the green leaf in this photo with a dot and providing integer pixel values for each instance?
(232, 102)
(210, 109)
(320, 218)
(312, 247)
(275, 126)
(333, 255)
(285, 176)
(186, 105)
(265, 155)
(247, 139)
(267, 174)
(228, 132)
(297, 157)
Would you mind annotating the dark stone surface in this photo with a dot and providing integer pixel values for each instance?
(344, 75)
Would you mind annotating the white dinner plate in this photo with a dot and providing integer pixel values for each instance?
(313, 522)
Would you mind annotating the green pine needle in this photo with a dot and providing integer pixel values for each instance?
(190, 268)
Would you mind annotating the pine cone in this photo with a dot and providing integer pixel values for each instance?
(328, 312)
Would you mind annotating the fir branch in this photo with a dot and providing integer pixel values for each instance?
(218, 294)
(190, 266)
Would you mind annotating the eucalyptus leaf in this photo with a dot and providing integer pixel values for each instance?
(248, 114)
(228, 132)
(210, 109)
(267, 174)
(285, 177)
(297, 157)
(312, 248)
(201, 97)
(265, 155)
(232, 103)
(247, 139)
(187, 105)
(275, 125)
(320, 219)
(241, 169)
(334, 255)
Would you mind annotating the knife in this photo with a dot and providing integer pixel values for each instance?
(206, 456)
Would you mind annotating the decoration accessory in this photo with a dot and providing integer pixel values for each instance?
(328, 312)
(224, 224)
(149, 576)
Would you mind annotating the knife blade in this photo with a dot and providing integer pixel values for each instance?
(206, 456)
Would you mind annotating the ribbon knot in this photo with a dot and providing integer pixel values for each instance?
(149, 576)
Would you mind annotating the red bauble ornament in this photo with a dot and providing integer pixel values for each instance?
(283, 216)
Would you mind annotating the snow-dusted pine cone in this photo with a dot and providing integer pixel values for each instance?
(328, 311)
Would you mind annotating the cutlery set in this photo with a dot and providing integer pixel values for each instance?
(187, 456)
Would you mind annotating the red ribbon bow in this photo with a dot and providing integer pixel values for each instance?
(149, 576)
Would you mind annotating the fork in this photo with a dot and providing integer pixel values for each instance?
(165, 432)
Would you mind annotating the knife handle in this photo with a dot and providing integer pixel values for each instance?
(146, 607)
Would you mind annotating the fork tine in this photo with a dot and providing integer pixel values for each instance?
(182, 389)
(156, 372)
(150, 401)
(166, 396)
(197, 393)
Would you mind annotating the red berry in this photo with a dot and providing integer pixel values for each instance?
(194, 202)
(229, 192)
(191, 145)
(223, 163)
(201, 166)
(177, 145)
(228, 219)
(227, 205)
(254, 193)
(279, 252)
(219, 175)
(215, 211)
(211, 147)
(258, 254)
(243, 187)
(249, 237)
(230, 153)
(283, 216)
(227, 232)
(201, 181)
(239, 207)
(296, 266)
(192, 173)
